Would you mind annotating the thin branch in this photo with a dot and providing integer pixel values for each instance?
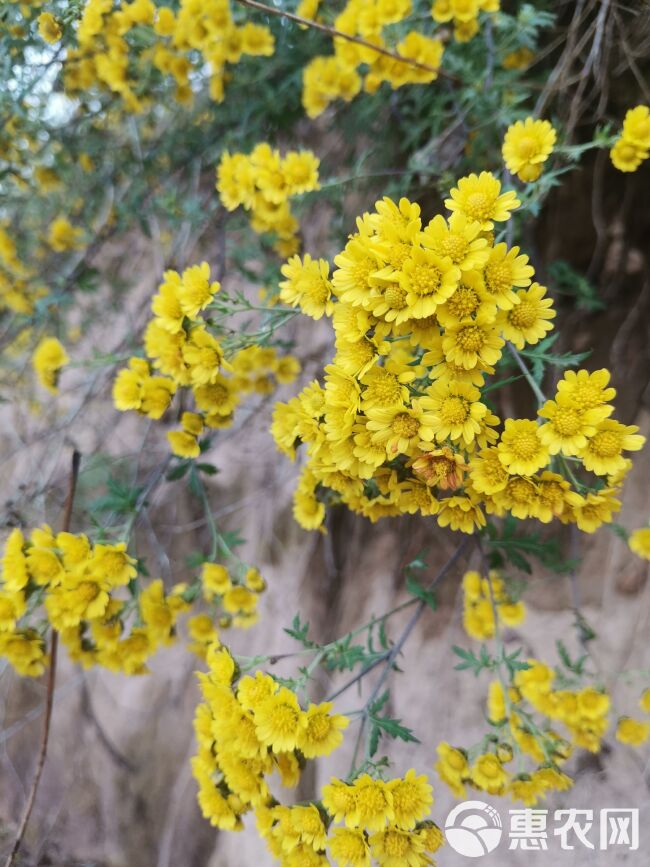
(539, 394)
(339, 34)
(51, 679)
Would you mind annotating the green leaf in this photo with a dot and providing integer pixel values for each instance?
(178, 471)
(471, 662)
(420, 592)
(208, 469)
(516, 548)
(392, 728)
(540, 357)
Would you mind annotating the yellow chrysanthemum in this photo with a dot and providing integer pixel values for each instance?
(632, 732)
(49, 28)
(505, 270)
(48, 359)
(603, 453)
(480, 199)
(639, 542)
(528, 321)
(521, 450)
(307, 286)
(568, 427)
(526, 146)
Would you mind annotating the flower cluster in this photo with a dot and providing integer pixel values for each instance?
(632, 147)
(48, 359)
(118, 43)
(464, 14)
(337, 76)
(584, 711)
(480, 597)
(247, 728)
(186, 355)
(251, 727)
(49, 28)
(262, 182)
(400, 424)
(18, 289)
(63, 236)
(486, 771)
(526, 147)
(73, 585)
(232, 601)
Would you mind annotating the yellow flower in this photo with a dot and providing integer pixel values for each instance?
(307, 286)
(528, 144)
(457, 238)
(49, 28)
(488, 774)
(300, 169)
(279, 721)
(470, 300)
(461, 513)
(595, 510)
(452, 410)
(603, 453)
(204, 356)
(373, 804)
(632, 732)
(644, 701)
(639, 542)
(48, 359)
(239, 599)
(340, 801)
(627, 156)
(412, 797)
(393, 847)
(526, 789)
(235, 181)
(399, 428)
(505, 270)
(195, 291)
(496, 702)
(583, 390)
(183, 444)
(636, 126)
(323, 731)
(428, 280)
(568, 427)
(479, 198)
(472, 342)
(63, 236)
(521, 450)
(527, 321)
(487, 472)
(349, 847)
(452, 768)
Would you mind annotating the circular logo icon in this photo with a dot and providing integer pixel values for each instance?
(473, 828)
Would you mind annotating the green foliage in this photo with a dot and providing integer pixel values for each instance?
(541, 357)
(573, 284)
(414, 587)
(511, 545)
(486, 662)
(385, 726)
